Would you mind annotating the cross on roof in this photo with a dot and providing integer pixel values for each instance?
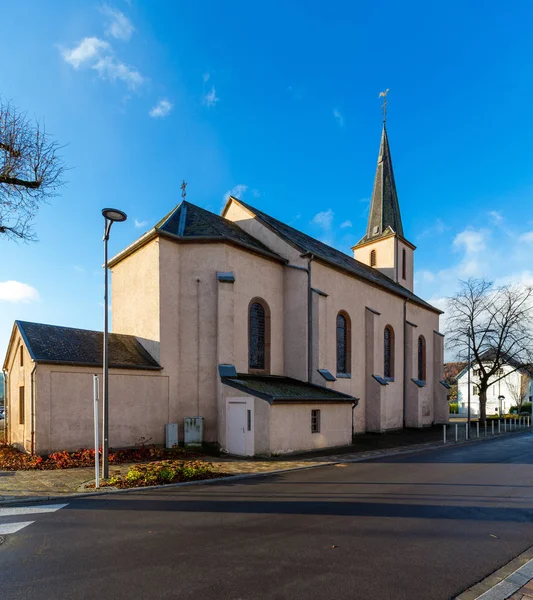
(183, 189)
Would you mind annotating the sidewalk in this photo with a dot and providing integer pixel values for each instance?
(30, 485)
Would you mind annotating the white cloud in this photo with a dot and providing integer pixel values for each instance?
(346, 224)
(324, 219)
(495, 216)
(206, 77)
(140, 224)
(527, 237)
(211, 98)
(161, 109)
(256, 193)
(111, 69)
(438, 228)
(338, 117)
(79, 269)
(427, 275)
(15, 291)
(119, 26)
(236, 191)
(88, 49)
(470, 240)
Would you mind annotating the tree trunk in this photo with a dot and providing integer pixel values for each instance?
(483, 405)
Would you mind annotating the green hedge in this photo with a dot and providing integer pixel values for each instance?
(454, 408)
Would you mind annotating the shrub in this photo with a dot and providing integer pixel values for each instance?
(454, 408)
(164, 472)
(12, 459)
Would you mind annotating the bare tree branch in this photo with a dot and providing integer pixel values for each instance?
(495, 325)
(31, 171)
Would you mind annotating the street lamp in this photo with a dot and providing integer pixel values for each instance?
(110, 216)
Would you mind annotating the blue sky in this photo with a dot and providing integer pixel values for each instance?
(278, 102)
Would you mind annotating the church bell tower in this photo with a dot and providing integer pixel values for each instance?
(384, 246)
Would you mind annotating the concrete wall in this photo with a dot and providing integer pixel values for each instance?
(290, 427)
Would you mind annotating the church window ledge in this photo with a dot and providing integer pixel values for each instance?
(389, 379)
(380, 380)
(344, 375)
(419, 382)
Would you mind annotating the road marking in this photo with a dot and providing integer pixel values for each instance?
(8, 528)
(16, 511)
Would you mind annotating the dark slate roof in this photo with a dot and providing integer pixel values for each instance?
(69, 346)
(188, 221)
(335, 257)
(384, 217)
(275, 389)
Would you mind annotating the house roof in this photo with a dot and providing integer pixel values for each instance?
(384, 217)
(188, 221)
(332, 256)
(70, 346)
(489, 356)
(276, 389)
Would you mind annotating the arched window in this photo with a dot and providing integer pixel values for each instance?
(421, 358)
(258, 336)
(388, 352)
(344, 344)
(372, 258)
(404, 266)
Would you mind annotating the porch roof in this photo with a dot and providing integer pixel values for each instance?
(276, 389)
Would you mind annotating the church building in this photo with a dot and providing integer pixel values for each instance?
(246, 332)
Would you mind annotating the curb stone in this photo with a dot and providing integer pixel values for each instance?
(365, 456)
(504, 582)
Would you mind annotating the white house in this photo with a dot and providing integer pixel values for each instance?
(502, 393)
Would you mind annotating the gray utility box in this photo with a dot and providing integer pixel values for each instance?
(193, 432)
(171, 435)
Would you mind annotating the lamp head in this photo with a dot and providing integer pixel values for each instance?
(113, 214)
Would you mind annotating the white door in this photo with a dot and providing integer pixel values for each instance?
(239, 434)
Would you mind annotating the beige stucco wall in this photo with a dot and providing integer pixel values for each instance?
(290, 427)
(138, 407)
(135, 296)
(18, 376)
(386, 259)
(408, 282)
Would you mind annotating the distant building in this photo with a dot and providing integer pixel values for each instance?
(508, 385)
(276, 340)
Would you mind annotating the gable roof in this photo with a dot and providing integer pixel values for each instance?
(69, 346)
(384, 217)
(332, 256)
(276, 389)
(190, 223)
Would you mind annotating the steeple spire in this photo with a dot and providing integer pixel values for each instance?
(384, 208)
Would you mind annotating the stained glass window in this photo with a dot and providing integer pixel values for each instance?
(257, 336)
(421, 358)
(388, 347)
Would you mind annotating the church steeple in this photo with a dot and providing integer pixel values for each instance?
(384, 217)
(384, 246)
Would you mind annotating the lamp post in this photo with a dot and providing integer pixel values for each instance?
(469, 366)
(110, 216)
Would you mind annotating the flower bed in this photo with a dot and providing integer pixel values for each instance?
(12, 459)
(163, 472)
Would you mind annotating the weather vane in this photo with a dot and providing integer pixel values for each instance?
(183, 189)
(384, 105)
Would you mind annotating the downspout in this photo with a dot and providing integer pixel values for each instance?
(404, 359)
(4, 373)
(32, 401)
(309, 320)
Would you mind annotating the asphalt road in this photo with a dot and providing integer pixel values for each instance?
(418, 527)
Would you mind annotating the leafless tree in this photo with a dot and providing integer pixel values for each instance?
(31, 171)
(519, 390)
(497, 324)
